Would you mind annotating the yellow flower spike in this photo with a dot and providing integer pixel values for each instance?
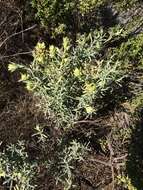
(66, 43)
(29, 86)
(19, 175)
(64, 61)
(52, 51)
(24, 77)
(40, 52)
(12, 67)
(2, 173)
(40, 46)
(89, 109)
(89, 88)
(60, 29)
(77, 72)
(40, 58)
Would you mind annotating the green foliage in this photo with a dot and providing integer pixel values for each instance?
(124, 5)
(88, 5)
(52, 13)
(64, 159)
(70, 79)
(137, 102)
(126, 182)
(15, 168)
(130, 52)
(73, 153)
(65, 16)
(40, 134)
(61, 16)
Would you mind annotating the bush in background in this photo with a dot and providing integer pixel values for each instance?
(62, 16)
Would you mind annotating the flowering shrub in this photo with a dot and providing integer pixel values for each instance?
(70, 79)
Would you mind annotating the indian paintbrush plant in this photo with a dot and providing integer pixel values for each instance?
(69, 79)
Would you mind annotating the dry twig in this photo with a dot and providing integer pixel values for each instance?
(17, 33)
(16, 54)
(111, 161)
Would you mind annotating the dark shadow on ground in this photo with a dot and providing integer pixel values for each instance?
(135, 158)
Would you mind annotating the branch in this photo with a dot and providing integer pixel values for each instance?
(16, 54)
(17, 33)
(111, 162)
(101, 162)
(94, 122)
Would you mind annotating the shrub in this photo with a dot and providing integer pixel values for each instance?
(61, 16)
(75, 152)
(131, 51)
(137, 102)
(69, 79)
(15, 168)
(69, 16)
(124, 5)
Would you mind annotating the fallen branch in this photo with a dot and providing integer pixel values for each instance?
(120, 158)
(101, 162)
(86, 121)
(111, 161)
